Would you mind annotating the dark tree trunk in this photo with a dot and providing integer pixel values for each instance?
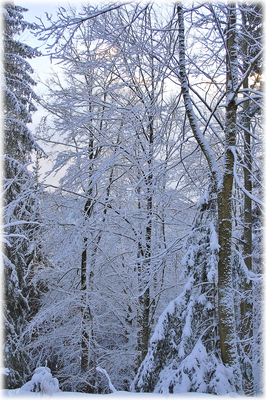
(227, 322)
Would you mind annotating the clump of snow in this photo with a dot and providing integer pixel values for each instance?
(42, 381)
(204, 199)
(214, 245)
(5, 371)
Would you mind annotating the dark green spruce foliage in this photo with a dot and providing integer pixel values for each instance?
(21, 253)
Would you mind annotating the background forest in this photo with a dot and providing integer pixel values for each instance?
(140, 269)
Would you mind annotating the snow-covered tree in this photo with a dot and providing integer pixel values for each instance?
(250, 159)
(20, 214)
(136, 158)
(184, 351)
(233, 336)
(120, 138)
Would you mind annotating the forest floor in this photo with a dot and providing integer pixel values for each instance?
(117, 395)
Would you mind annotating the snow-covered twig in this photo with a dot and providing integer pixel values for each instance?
(111, 386)
(255, 199)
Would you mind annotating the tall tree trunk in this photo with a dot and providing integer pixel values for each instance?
(226, 316)
(88, 355)
(86, 321)
(200, 138)
(144, 296)
(227, 322)
(145, 300)
(142, 301)
(247, 306)
(247, 199)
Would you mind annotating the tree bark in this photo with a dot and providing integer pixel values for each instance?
(144, 299)
(86, 321)
(145, 273)
(247, 303)
(246, 307)
(227, 322)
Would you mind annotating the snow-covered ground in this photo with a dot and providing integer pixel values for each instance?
(42, 384)
(118, 395)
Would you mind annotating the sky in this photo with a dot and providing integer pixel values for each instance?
(38, 9)
(42, 65)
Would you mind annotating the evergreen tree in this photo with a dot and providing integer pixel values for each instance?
(19, 189)
(184, 354)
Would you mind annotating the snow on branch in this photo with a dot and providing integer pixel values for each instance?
(255, 199)
(111, 386)
(203, 143)
(64, 22)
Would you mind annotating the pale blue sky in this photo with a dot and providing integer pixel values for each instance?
(41, 65)
(38, 9)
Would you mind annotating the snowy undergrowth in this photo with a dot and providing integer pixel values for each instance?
(42, 381)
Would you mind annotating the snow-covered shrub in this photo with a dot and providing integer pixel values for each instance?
(42, 381)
